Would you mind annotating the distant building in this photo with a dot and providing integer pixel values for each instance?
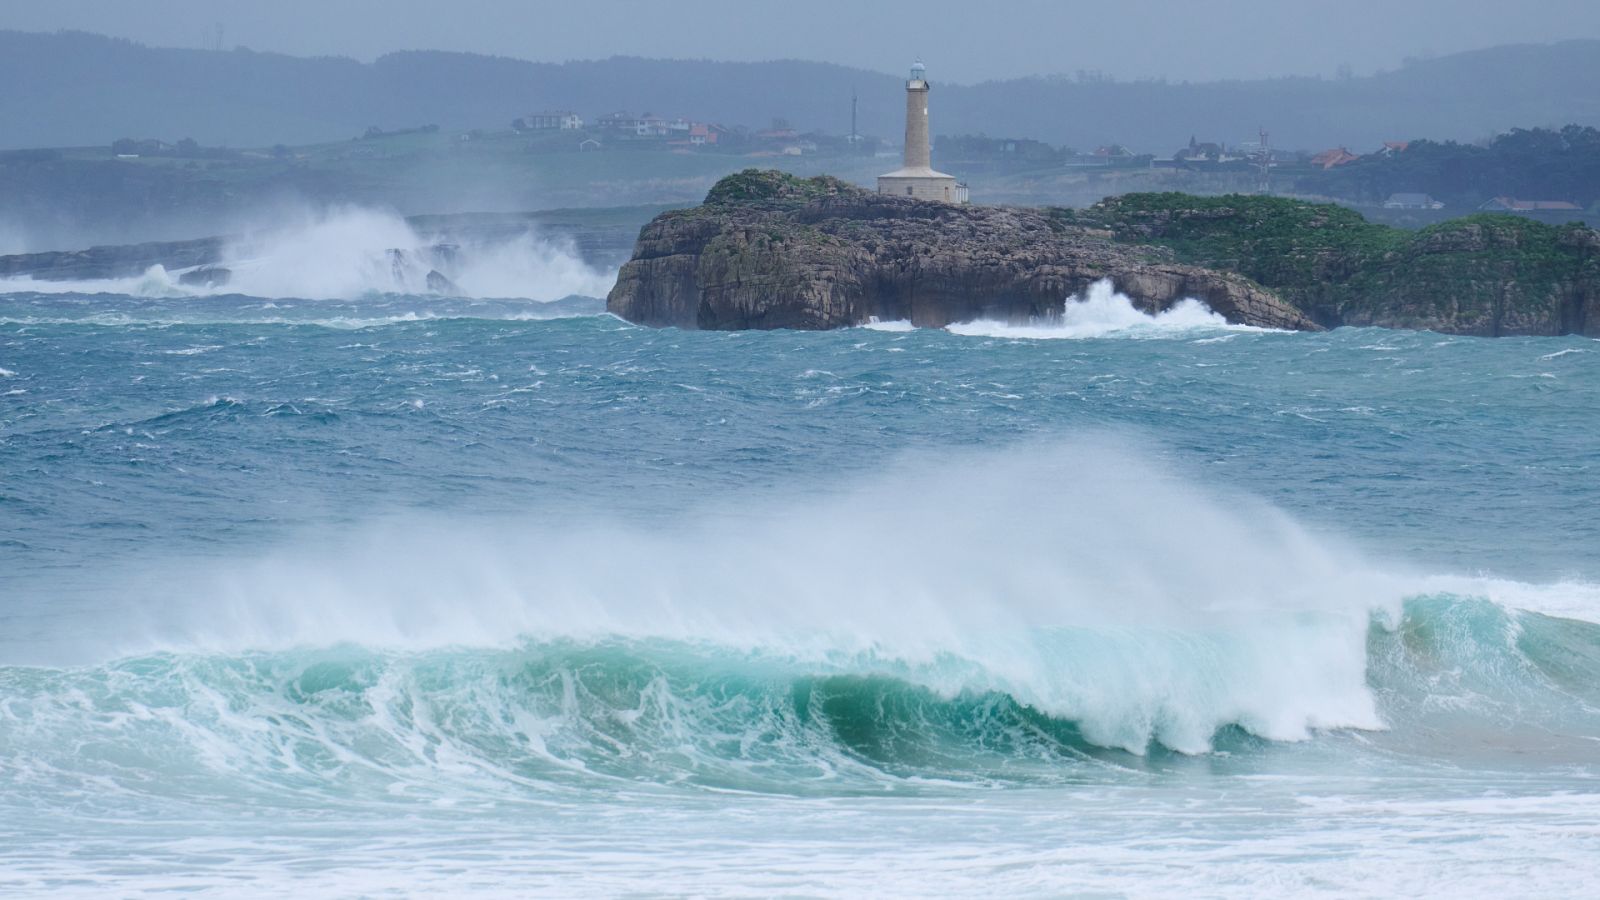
(651, 126)
(1511, 204)
(702, 134)
(619, 122)
(1411, 201)
(128, 148)
(553, 120)
(1026, 148)
(1393, 148)
(697, 134)
(588, 144)
(917, 178)
(1198, 150)
(1329, 159)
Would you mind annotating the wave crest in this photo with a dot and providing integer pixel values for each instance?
(544, 717)
(1103, 312)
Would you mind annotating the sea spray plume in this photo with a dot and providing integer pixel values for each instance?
(1075, 576)
(334, 254)
(354, 253)
(349, 252)
(532, 266)
(1101, 311)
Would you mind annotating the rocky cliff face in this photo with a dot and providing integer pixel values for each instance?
(1491, 277)
(768, 250)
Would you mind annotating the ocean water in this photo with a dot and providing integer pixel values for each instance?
(386, 595)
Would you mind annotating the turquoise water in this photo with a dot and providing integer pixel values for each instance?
(399, 594)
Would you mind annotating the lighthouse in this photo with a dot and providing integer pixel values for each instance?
(916, 178)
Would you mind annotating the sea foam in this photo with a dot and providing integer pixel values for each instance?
(1103, 312)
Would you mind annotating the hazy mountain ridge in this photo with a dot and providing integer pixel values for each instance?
(75, 89)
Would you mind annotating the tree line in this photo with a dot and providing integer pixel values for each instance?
(1524, 163)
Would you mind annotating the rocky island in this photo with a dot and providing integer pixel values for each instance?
(769, 250)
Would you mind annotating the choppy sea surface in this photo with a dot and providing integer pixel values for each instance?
(396, 595)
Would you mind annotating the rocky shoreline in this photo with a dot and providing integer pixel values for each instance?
(768, 250)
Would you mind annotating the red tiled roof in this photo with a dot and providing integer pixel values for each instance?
(1335, 157)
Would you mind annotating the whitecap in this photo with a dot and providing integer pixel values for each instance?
(898, 325)
(1102, 312)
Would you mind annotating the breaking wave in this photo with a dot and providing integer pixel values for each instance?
(541, 716)
(1102, 312)
(1012, 617)
(354, 253)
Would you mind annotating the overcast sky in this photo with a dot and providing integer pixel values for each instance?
(962, 41)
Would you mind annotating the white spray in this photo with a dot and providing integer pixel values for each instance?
(1100, 312)
(1072, 575)
(349, 253)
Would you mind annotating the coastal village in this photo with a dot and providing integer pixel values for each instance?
(1201, 164)
(1271, 169)
(1252, 158)
(1252, 164)
(565, 130)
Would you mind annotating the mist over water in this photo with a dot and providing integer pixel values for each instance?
(12, 238)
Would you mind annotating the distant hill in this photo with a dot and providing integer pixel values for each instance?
(74, 89)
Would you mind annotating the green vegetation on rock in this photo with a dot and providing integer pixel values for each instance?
(767, 185)
(1483, 274)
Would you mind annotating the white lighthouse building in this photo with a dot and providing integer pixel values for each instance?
(917, 178)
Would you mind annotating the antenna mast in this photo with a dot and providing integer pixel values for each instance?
(1264, 161)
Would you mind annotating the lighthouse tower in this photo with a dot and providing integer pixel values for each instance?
(917, 178)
